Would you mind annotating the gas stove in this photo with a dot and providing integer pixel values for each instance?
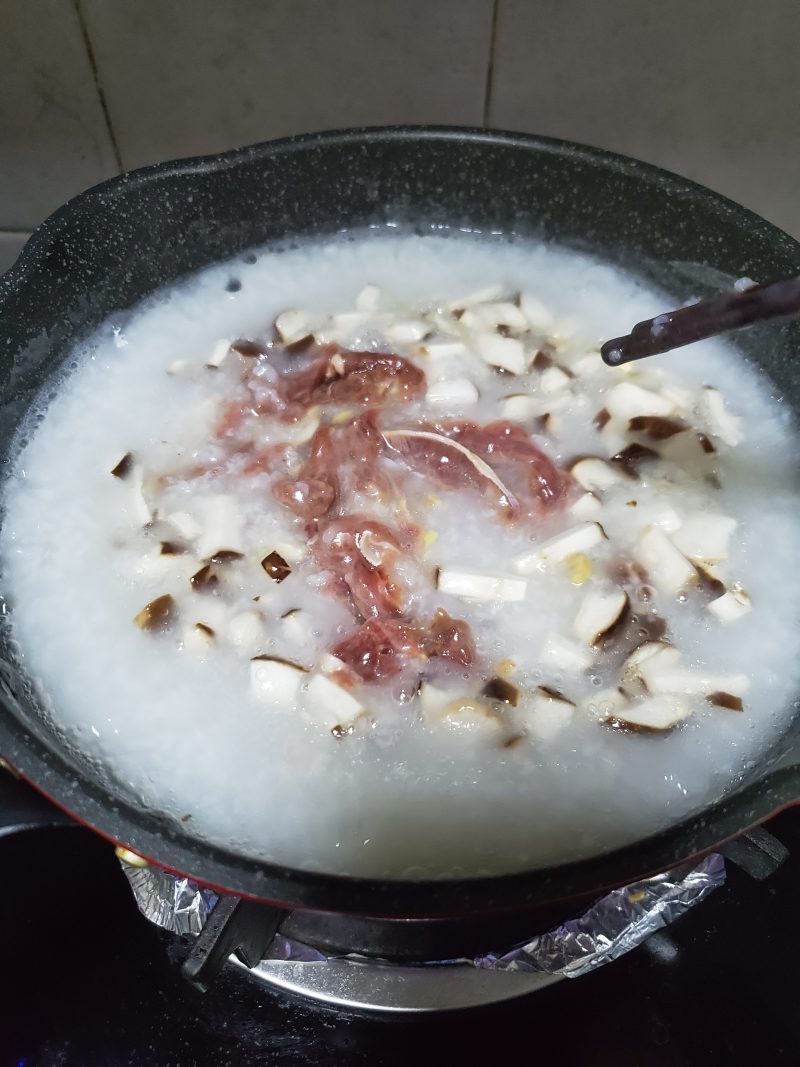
(91, 982)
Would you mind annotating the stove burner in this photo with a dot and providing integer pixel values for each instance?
(416, 965)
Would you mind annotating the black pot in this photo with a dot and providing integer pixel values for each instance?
(116, 243)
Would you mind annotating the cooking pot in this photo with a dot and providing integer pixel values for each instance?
(114, 245)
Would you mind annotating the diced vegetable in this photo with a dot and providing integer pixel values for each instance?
(667, 568)
(731, 606)
(580, 538)
(599, 613)
(472, 585)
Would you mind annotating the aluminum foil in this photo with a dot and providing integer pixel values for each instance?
(615, 924)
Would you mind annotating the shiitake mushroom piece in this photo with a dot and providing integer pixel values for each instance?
(204, 580)
(159, 615)
(725, 700)
(226, 555)
(631, 458)
(276, 566)
(499, 689)
(124, 468)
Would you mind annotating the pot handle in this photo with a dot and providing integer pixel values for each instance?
(22, 808)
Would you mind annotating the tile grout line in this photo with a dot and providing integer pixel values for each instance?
(98, 87)
(487, 96)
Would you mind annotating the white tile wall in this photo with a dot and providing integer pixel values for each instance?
(708, 88)
(53, 136)
(194, 76)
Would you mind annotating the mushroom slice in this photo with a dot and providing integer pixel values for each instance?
(506, 353)
(276, 566)
(667, 568)
(667, 655)
(520, 407)
(327, 704)
(296, 624)
(548, 713)
(577, 539)
(500, 313)
(562, 654)
(731, 606)
(660, 677)
(184, 524)
(704, 539)
(630, 458)
(440, 349)
(395, 438)
(275, 682)
(221, 524)
(725, 700)
(501, 690)
(219, 353)
(440, 707)
(656, 427)
(480, 296)
(627, 401)
(553, 380)
(159, 615)
(537, 315)
(369, 298)
(472, 585)
(204, 580)
(124, 467)
(245, 630)
(586, 506)
(199, 639)
(451, 393)
(598, 614)
(604, 705)
(406, 331)
(655, 714)
(720, 422)
(293, 325)
(594, 474)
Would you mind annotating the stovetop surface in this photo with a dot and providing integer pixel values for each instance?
(719, 986)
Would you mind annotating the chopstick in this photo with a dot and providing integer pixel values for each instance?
(707, 318)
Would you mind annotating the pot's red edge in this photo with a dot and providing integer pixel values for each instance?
(291, 907)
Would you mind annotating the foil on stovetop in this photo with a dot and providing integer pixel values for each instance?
(612, 926)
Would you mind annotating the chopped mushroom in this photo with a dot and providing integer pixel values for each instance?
(548, 713)
(452, 393)
(667, 568)
(327, 704)
(369, 298)
(577, 539)
(506, 353)
(500, 313)
(731, 606)
(594, 474)
(725, 700)
(275, 682)
(441, 707)
(537, 315)
(553, 380)
(124, 467)
(293, 326)
(654, 714)
(605, 704)
(627, 401)
(246, 630)
(472, 585)
(719, 420)
(499, 689)
(204, 580)
(219, 353)
(184, 524)
(660, 677)
(276, 566)
(586, 506)
(705, 538)
(159, 615)
(598, 614)
(520, 407)
(562, 654)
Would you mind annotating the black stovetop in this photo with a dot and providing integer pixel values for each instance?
(89, 982)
